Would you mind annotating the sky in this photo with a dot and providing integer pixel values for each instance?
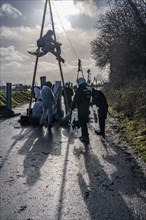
(74, 22)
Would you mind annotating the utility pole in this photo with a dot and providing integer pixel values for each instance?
(89, 76)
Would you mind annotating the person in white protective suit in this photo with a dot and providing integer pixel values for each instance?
(37, 91)
(47, 44)
(48, 104)
(37, 111)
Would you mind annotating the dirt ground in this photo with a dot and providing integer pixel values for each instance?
(53, 176)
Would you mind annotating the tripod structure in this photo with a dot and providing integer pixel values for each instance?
(38, 51)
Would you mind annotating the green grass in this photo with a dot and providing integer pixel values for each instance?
(134, 131)
(18, 98)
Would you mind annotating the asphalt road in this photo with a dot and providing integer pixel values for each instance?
(53, 176)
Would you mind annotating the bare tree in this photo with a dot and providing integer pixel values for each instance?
(121, 42)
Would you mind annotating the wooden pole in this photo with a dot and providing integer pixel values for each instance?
(59, 63)
(80, 69)
(36, 62)
(9, 96)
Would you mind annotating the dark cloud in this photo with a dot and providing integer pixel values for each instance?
(82, 21)
(98, 3)
(89, 11)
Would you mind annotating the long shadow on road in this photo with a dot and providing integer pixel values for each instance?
(37, 147)
(128, 172)
(24, 132)
(70, 137)
(104, 200)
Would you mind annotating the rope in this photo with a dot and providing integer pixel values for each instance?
(66, 33)
(61, 73)
(79, 61)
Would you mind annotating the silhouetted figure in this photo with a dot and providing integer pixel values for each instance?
(69, 94)
(99, 99)
(82, 102)
(47, 44)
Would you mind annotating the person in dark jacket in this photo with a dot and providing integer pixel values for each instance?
(69, 94)
(82, 102)
(99, 99)
(47, 44)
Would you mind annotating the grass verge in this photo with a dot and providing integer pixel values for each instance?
(18, 98)
(134, 131)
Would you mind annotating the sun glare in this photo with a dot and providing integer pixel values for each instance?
(64, 9)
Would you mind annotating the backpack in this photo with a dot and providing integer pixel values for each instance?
(99, 99)
(40, 42)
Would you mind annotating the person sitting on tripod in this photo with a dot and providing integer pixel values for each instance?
(47, 44)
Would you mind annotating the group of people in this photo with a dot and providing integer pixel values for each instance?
(44, 105)
(83, 98)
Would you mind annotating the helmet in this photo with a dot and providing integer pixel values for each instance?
(50, 32)
(67, 84)
(80, 81)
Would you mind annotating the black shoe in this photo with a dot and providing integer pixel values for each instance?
(41, 125)
(32, 53)
(98, 132)
(50, 126)
(84, 140)
(103, 135)
(60, 59)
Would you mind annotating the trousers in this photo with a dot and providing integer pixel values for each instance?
(47, 111)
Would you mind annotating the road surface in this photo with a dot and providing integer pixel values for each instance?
(53, 176)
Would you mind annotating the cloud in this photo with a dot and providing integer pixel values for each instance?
(10, 54)
(88, 8)
(10, 11)
(15, 66)
(23, 64)
(21, 33)
(87, 13)
(98, 3)
(18, 66)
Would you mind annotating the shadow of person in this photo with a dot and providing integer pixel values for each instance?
(38, 146)
(129, 177)
(55, 140)
(102, 199)
(19, 137)
(71, 136)
(34, 158)
(64, 173)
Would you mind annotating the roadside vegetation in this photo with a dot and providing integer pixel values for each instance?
(121, 44)
(19, 97)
